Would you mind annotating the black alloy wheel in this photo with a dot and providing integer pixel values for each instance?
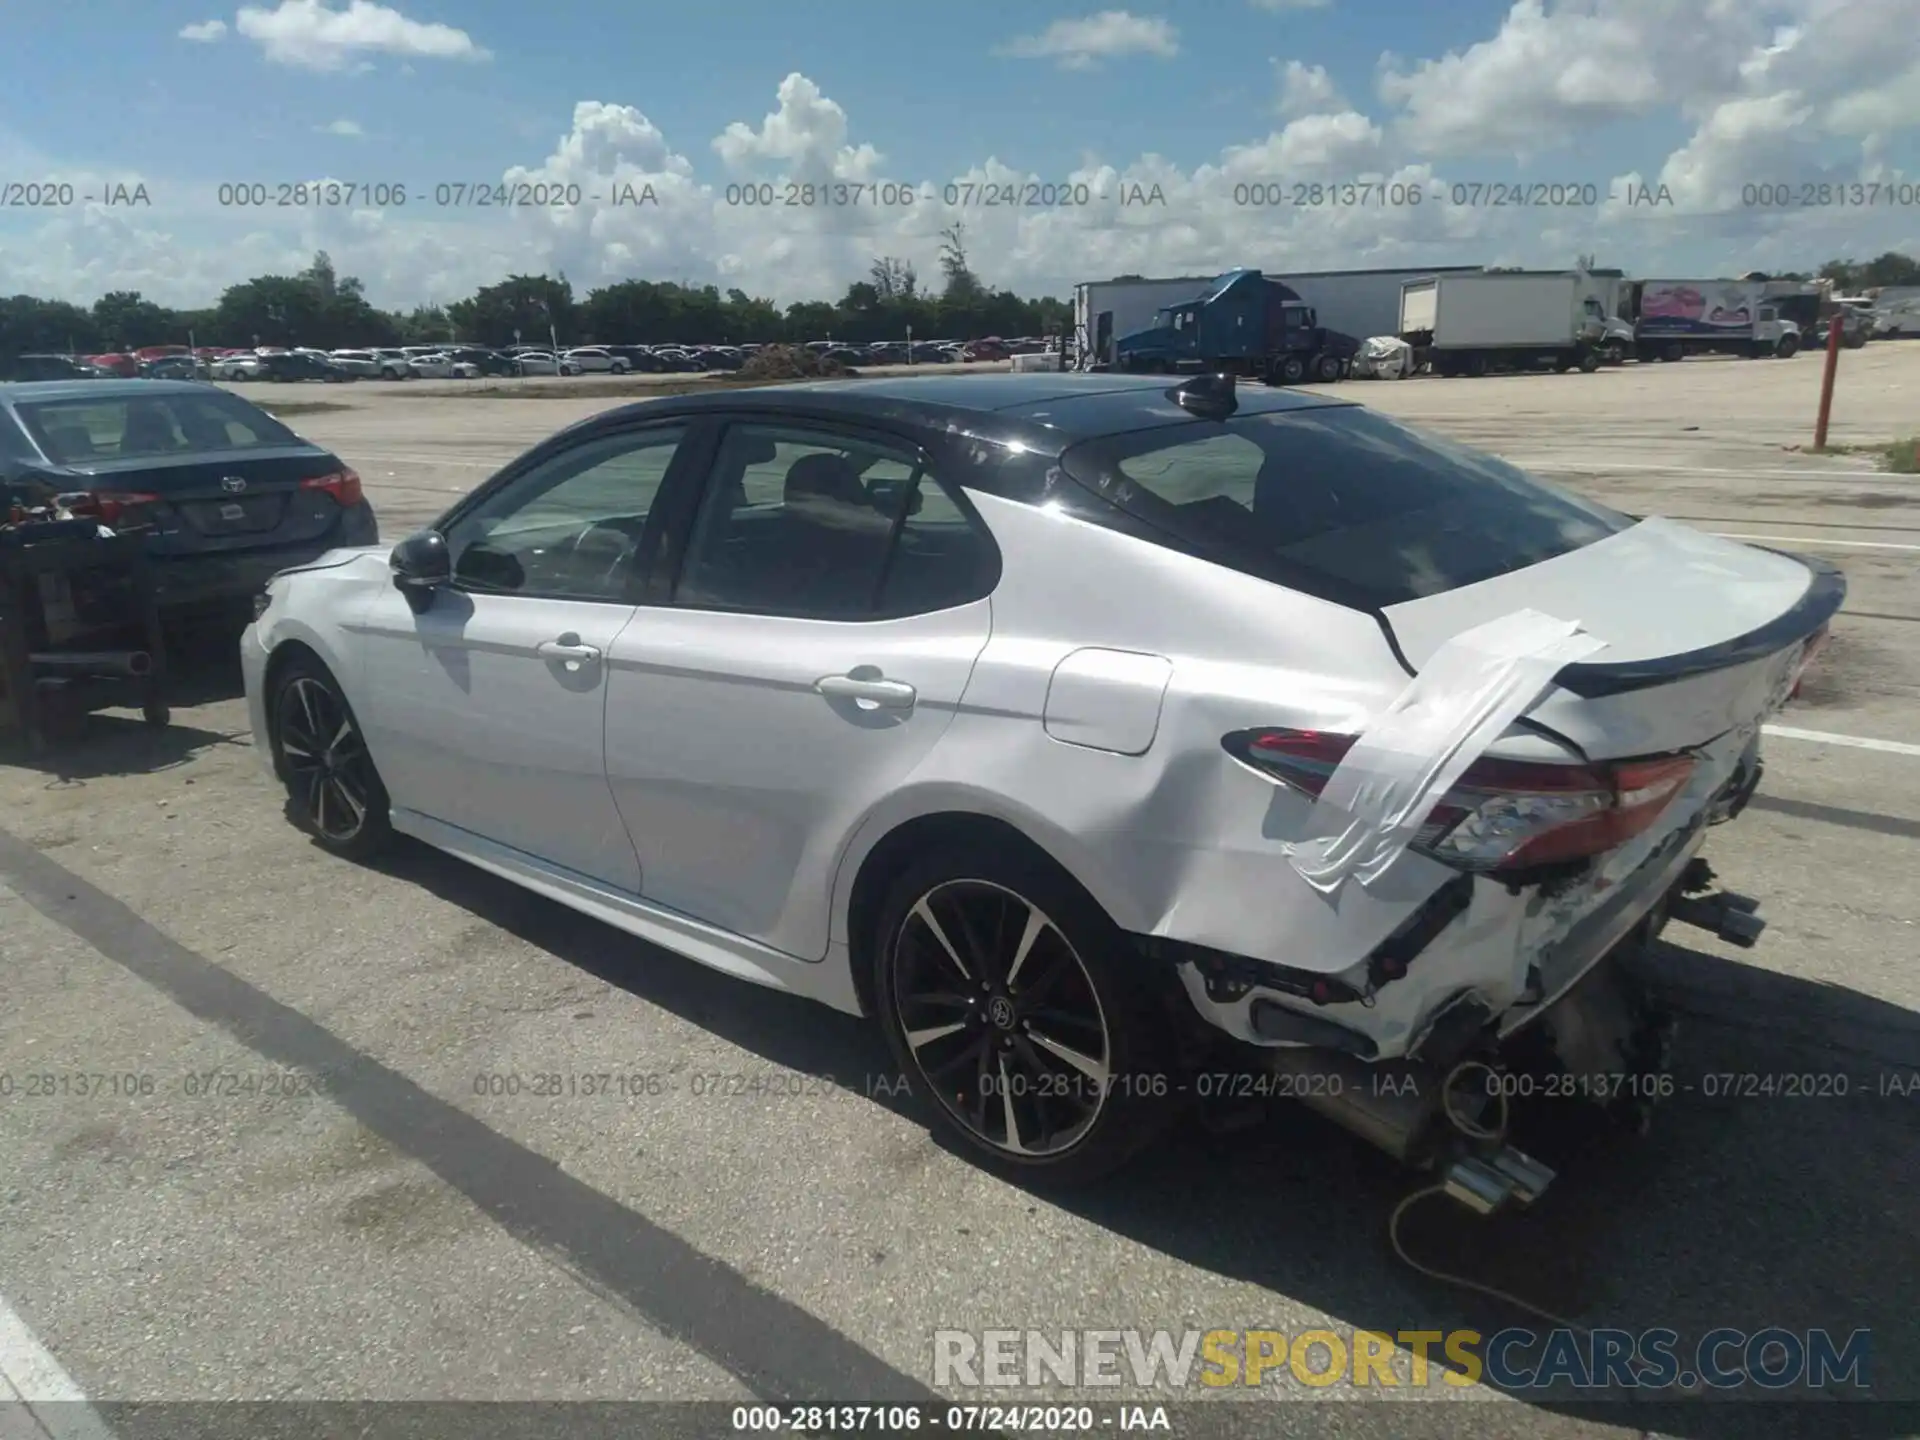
(333, 791)
(1019, 1013)
(1002, 1017)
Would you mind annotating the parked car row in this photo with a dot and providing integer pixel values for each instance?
(931, 352)
(462, 362)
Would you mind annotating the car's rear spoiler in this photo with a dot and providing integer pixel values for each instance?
(1824, 596)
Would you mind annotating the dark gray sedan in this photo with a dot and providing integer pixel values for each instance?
(227, 494)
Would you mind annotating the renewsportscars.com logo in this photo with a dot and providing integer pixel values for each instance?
(1770, 1359)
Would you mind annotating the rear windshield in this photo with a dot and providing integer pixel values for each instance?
(1340, 501)
(126, 426)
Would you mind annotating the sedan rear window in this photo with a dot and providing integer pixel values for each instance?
(1339, 501)
(117, 427)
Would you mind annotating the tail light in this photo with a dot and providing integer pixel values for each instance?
(111, 505)
(1502, 815)
(1807, 656)
(343, 485)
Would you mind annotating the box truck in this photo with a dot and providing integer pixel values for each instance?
(1472, 324)
(1677, 318)
(1896, 311)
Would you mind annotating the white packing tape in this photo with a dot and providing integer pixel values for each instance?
(1464, 698)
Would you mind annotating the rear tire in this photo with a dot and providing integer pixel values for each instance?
(1020, 1015)
(1327, 369)
(1292, 370)
(334, 793)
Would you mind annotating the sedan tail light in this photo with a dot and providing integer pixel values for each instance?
(1502, 815)
(343, 485)
(110, 505)
(1814, 646)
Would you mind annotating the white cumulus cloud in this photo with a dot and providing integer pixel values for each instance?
(1082, 43)
(807, 132)
(311, 35)
(1547, 76)
(1308, 90)
(205, 32)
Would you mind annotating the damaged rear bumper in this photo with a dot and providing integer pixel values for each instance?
(1480, 953)
(1592, 1021)
(1478, 981)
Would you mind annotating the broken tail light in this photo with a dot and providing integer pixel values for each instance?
(1808, 655)
(343, 485)
(1501, 815)
(111, 505)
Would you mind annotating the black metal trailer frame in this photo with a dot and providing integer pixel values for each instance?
(80, 628)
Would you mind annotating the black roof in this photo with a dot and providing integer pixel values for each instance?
(1050, 410)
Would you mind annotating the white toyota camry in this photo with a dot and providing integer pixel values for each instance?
(1094, 734)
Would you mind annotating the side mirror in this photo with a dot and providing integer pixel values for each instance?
(421, 562)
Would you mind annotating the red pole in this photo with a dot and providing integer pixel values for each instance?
(1835, 327)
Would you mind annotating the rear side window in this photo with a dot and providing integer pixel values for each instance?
(13, 445)
(1340, 501)
(812, 524)
(117, 427)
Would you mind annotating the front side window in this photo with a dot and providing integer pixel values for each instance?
(571, 527)
(1341, 501)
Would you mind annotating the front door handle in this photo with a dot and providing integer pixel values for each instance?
(568, 648)
(882, 694)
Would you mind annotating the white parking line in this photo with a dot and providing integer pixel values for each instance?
(390, 458)
(1857, 742)
(1814, 543)
(28, 1369)
(1683, 469)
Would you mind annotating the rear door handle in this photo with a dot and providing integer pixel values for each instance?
(568, 648)
(885, 694)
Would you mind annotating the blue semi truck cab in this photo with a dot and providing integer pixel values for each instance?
(1244, 323)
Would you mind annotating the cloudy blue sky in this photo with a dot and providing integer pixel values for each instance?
(1161, 140)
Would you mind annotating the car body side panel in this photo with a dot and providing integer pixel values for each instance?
(1179, 841)
(1108, 699)
(320, 607)
(489, 732)
(739, 782)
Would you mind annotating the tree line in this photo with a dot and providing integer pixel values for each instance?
(319, 307)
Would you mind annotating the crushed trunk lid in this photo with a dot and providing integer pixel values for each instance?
(1704, 635)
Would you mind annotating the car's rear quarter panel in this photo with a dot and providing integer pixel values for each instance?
(1180, 841)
